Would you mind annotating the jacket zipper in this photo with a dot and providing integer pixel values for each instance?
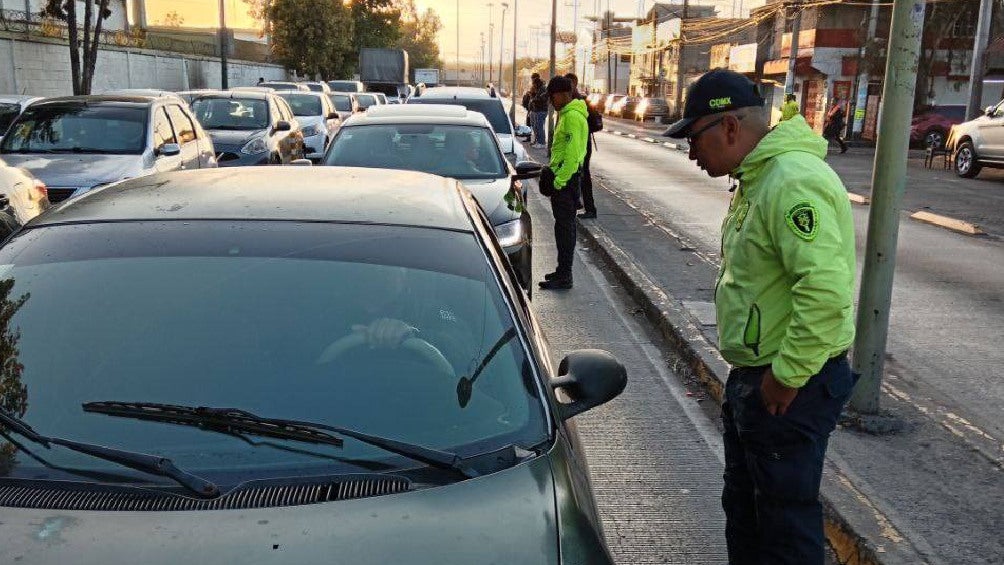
(751, 333)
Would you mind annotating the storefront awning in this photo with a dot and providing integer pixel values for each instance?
(803, 66)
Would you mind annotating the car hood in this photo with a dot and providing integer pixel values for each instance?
(68, 170)
(233, 137)
(490, 195)
(506, 517)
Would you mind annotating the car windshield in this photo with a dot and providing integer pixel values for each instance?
(460, 152)
(491, 108)
(94, 128)
(366, 100)
(343, 85)
(7, 114)
(276, 84)
(303, 104)
(231, 113)
(342, 102)
(268, 317)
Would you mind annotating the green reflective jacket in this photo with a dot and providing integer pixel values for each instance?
(784, 294)
(571, 135)
(789, 110)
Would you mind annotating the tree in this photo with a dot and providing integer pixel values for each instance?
(311, 37)
(941, 19)
(419, 36)
(95, 13)
(376, 23)
(173, 19)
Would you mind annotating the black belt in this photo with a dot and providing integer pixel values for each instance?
(762, 368)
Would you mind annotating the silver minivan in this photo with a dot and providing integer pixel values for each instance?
(77, 143)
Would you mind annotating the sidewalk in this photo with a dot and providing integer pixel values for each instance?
(919, 495)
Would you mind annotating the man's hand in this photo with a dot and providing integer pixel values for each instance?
(776, 396)
(386, 332)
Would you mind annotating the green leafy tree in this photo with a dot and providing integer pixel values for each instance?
(419, 36)
(83, 51)
(311, 37)
(377, 23)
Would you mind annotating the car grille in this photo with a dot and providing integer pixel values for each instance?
(82, 498)
(60, 193)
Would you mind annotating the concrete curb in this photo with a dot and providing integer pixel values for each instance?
(705, 362)
(858, 199)
(948, 223)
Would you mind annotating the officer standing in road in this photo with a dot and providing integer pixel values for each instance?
(790, 108)
(785, 315)
(587, 178)
(560, 181)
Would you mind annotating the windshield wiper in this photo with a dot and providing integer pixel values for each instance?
(152, 464)
(236, 421)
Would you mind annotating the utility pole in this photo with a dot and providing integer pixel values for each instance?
(505, 6)
(888, 182)
(223, 48)
(861, 99)
(679, 61)
(607, 17)
(458, 43)
(789, 79)
(512, 89)
(973, 108)
(482, 65)
(491, 37)
(552, 67)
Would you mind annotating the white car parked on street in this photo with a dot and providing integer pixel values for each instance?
(978, 143)
(318, 119)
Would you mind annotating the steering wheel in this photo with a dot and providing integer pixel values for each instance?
(414, 345)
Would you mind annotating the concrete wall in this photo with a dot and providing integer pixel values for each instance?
(43, 68)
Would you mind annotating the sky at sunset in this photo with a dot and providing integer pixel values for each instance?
(474, 19)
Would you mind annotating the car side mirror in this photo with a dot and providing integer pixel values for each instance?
(332, 115)
(527, 170)
(282, 125)
(169, 149)
(524, 132)
(588, 377)
(989, 111)
(302, 162)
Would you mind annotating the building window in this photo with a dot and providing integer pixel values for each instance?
(965, 26)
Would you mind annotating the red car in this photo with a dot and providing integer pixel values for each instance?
(931, 124)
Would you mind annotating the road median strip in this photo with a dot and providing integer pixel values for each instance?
(705, 363)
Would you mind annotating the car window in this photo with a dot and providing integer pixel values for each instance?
(98, 128)
(366, 100)
(231, 113)
(343, 85)
(303, 104)
(162, 131)
(455, 151)
(183, 125)
(255, 316)
(342, 102)
(284, 110)
(7, 114)
(491, 108)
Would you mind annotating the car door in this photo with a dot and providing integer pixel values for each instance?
(184, 131)
(990, 144)
(163, 134)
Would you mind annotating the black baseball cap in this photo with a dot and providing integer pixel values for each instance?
(559, 84)
(717, 91)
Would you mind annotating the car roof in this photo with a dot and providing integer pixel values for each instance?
(455, 92)
(148, 92)
(18, 97)
(303, 92)
(247, 94)
(98, 99)
(310, 194)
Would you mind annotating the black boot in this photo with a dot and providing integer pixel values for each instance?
(562, 282)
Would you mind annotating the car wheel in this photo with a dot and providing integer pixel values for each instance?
(966, 163)
(934, 138)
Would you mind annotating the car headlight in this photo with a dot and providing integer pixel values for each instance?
(509, 233)
(255, 146)
(311, 131)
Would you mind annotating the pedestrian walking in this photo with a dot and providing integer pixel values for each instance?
(560, 180)
(538, 111)
(784, 301)
(592, 119)
(834, 126)
(790, 108)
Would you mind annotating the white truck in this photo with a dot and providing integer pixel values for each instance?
(429, 77)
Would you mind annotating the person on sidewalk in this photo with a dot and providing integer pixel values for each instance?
(537, 106)
(790, 108)
(560, 181)
(587, 178)
(784, 300)
(835, 124)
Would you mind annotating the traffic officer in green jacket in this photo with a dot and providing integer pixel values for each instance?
(790, 108)
(785, 315)
(568, 152)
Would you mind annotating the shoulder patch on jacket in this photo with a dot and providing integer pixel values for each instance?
(803, 220)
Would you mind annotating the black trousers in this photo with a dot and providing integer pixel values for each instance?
(587, 179)
(774, 464)
(563, 206)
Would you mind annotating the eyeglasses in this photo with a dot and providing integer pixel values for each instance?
(693, 137)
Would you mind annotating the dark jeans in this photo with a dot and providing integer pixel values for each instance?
(539, 120)
(774, 464)
(563, 206)
(587, 179)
